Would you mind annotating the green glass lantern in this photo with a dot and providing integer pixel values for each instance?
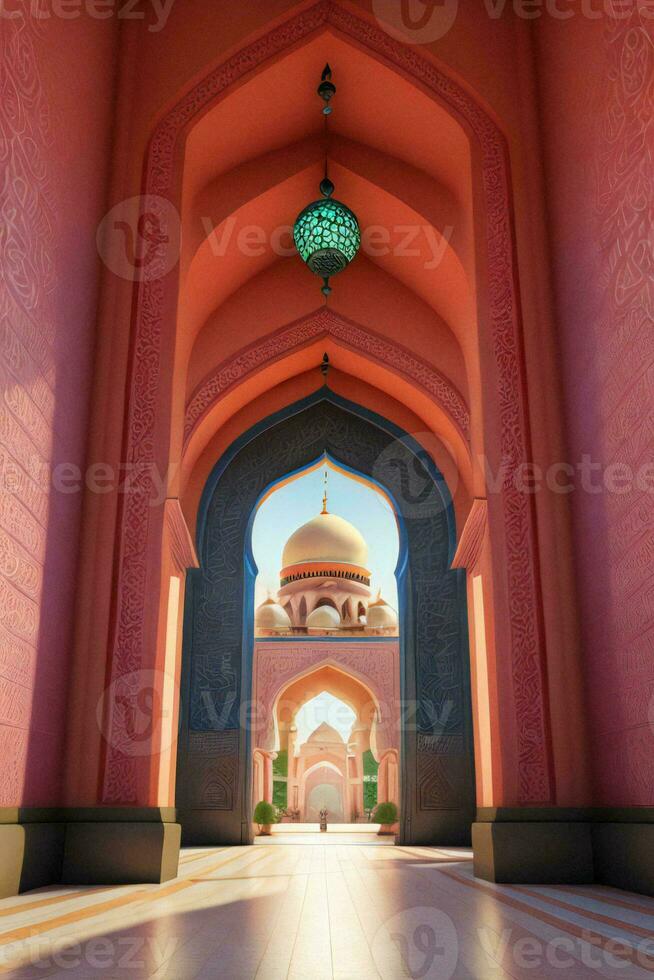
(326, 232)
(327, 235)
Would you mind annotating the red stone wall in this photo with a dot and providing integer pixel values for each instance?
(597, 89)
(55, 112)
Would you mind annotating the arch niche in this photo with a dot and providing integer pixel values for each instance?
(161, 388)
(437, 781)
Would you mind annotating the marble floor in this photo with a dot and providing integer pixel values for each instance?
(369, 838)
(321, 910)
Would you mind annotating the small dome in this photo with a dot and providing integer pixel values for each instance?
(327, 537)
(324, 618)
(325, 733)
(271, 616)
(380, 614)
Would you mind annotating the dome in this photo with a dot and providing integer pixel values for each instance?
(327, 537)
(324, 618)
(381, 615)
(325, 733)
(271, 616)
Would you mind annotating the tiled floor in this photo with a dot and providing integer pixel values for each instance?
(369, 838)
(327, 910)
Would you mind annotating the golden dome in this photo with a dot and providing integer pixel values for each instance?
(326, 538)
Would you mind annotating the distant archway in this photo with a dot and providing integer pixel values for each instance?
(324, 789)
(352, 713)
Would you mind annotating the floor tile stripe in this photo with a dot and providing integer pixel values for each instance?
(587, 913)
(53, 900)
(200, 857)
(155, 893)
(610, 899)
(629, 953)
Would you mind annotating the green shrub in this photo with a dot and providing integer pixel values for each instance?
(264, 813)
(385, 813)
(280, 794)
(370, 770)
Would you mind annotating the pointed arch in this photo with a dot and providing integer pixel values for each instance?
(326, 323)
(146, 443)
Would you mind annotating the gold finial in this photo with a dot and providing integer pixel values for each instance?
(324, 497)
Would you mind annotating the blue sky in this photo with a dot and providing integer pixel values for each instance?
(299, 501)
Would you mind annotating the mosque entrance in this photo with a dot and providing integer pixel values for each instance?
(310, 672)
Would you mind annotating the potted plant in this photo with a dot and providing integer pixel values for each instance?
(264, 815)
(386, 815)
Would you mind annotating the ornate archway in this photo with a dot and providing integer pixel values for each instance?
(365, 677)
(147, 443)
(437, 791)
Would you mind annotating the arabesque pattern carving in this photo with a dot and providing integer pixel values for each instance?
(523, 589)
(211, 765)
(325, 323)
(619, 526)
(28, 370)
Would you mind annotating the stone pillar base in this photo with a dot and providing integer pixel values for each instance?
(533, 853)
(550, 845)
(120, 853)
(86, 846)
(624, 853)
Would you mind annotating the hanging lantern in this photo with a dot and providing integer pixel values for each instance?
(326, 232)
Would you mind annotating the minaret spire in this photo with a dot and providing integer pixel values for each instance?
(324, 496)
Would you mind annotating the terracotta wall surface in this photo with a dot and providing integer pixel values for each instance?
(597, 93)
(55, 116)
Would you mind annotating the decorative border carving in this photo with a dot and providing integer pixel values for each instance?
(119, 780)
(325, 323)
